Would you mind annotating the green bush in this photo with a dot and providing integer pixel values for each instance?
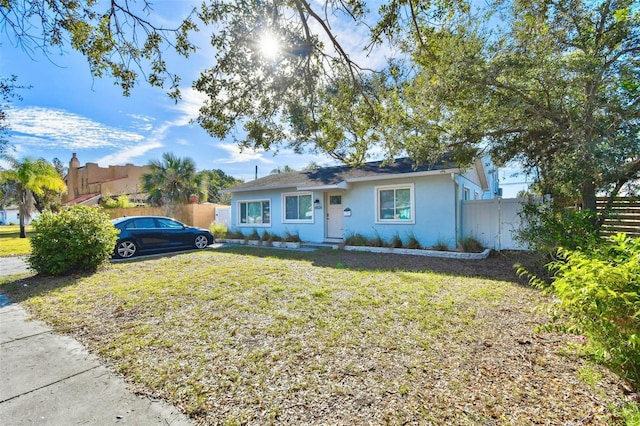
(122, 202)
(218, 230)
(598, 293)
(546, 228)
(77, 239)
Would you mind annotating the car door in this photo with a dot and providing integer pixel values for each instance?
(174, 233)
(147, 233)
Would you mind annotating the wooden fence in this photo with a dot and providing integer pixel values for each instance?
(200, 215)
(624, 216)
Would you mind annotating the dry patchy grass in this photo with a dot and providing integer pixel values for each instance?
(254, 336)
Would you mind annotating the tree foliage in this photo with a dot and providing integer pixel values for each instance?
(27, 179)
(118, 38)
(552, 84)
(213, 182)
(8, 91)
(171, 181)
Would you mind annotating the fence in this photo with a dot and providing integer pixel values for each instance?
(200, 215)
(624, 216)
(495, 222)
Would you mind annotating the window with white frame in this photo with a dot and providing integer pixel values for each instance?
(256, 212)
(298, 207)
(395, 204)
(466, 194)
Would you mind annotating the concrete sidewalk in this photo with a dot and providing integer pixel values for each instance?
(50, 379)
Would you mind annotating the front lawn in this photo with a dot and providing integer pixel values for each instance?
(10, 242)
(261, 336)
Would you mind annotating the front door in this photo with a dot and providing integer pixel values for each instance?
(335, 216)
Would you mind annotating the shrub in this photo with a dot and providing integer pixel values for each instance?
(291, 237)
(265, 236)
(441, 246)
(376, 241)
(598, 292)
(356, 240)
(396, 242)
(235, 234)
(546, 228)
(471, 245)
(254, 236)
(218, 230)
(412, 243)
(274, 237)
(122, 202)
(77, 239)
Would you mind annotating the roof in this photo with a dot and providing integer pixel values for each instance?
(81, 199)
(339, 177)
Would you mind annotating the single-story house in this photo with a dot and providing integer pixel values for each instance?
(330, 204)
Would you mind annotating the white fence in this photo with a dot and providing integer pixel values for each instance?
(493, 222)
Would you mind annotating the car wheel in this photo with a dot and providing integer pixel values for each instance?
(201, 242)
(126, 249)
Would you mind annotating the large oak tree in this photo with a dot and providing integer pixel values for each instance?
(550, 83)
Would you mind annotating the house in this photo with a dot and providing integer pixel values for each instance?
(89, 183)
(332, 203)
(10, 215)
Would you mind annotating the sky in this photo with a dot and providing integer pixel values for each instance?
(67, 111)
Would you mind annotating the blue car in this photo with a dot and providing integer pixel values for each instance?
(143, 234)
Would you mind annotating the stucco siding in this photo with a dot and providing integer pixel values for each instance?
(312, 231)
(434, 211)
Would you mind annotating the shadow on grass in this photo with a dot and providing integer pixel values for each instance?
(19, 288)
(500, 266)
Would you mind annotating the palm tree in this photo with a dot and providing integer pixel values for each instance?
(170, 181)
(27, 178)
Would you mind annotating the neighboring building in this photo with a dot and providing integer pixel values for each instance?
(10, 215)
(329, 204)
(88, 184)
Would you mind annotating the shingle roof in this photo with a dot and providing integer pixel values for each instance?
(333, 176)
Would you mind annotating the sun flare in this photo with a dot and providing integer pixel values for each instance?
(269, 46)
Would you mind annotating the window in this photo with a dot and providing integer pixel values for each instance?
(395, 204)
(254, 212)
(298, 207)
(466, 194)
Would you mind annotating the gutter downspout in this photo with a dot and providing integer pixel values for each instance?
(458, 206)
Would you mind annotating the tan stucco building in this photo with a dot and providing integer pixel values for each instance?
(89, 183)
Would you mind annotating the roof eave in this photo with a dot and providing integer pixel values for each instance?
(404, 175)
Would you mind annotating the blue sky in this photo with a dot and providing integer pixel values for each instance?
(67, 111)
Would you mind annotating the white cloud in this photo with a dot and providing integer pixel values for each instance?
(237, 156)
(53, 128)
(127, 156)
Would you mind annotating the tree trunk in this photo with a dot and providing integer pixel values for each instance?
(589, 200)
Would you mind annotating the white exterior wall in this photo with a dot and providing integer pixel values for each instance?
(493, 222)
(11, 216)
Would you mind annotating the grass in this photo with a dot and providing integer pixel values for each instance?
(256, 336)
(10, 242)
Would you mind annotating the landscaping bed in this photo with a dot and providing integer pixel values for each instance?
(245, 335)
